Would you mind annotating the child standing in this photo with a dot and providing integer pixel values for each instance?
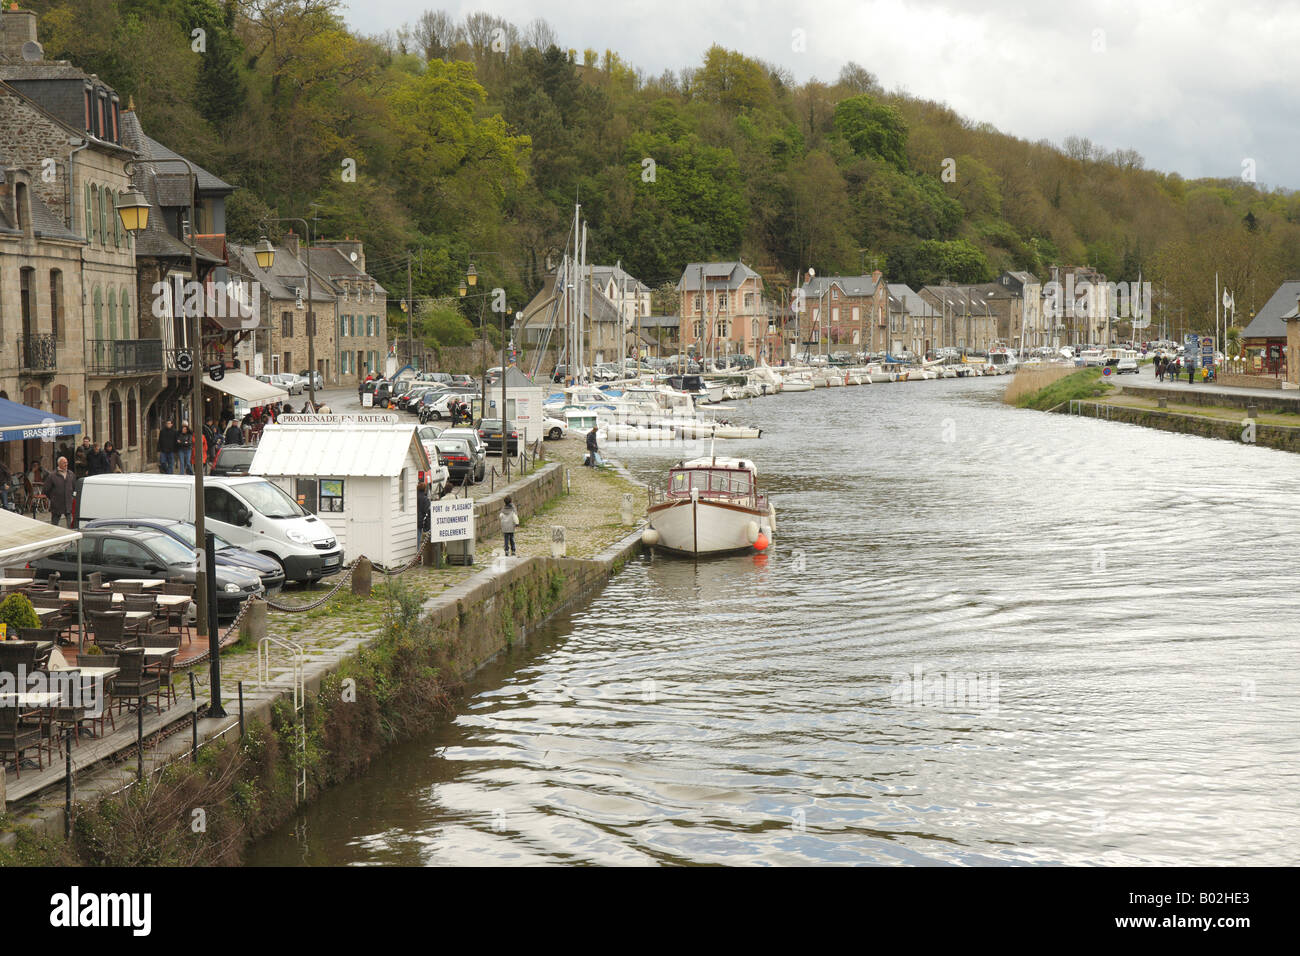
(509, 521)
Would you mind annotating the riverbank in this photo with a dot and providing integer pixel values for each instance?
(374, 670)
(1249, 417)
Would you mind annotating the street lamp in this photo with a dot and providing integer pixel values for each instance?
(311, 316)
(264, 252)
(133, 210)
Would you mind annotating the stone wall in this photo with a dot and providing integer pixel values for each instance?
(1283, 402)
(1249, 381)
(1281, 437)
(539, 488)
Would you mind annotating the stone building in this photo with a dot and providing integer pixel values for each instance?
(846, 313)
(723, 310)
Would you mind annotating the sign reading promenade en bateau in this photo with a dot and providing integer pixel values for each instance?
(378, 418)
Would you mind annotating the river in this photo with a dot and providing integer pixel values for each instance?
(983, 636)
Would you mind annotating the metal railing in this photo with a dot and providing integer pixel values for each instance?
(124, 356)
(38, 353)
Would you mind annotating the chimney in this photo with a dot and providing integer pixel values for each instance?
(17, 28)
(291, 243)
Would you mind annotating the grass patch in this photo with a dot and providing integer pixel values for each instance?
(1083, 384)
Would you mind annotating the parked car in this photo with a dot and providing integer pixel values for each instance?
(489, 429)
(143, 553)
(478, 446)
(412, 394)
(267, 569)
(465, 381)
(435, 378)
(380, 389)
(287, 381)
(318, 383)
(458, 458)
(233, 459)
(560, 374)
(553, 428)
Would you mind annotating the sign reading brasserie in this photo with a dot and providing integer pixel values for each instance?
(452, 519)
(378, 418)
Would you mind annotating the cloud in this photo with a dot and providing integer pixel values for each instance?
(1195, 88)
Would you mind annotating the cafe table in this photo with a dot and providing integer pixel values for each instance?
(35, 699)
(143, 582)
(16, 582)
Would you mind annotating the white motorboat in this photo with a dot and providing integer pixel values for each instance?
(710, 506)
(701, 429)
(618, 431)
(797, 385)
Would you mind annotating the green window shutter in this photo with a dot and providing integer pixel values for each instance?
(90, 216)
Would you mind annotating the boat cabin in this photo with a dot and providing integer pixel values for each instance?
(714, 478)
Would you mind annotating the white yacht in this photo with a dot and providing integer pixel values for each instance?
(710, 506)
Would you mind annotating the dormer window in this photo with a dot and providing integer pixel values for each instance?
(90, 127)
(102, 131)
(22, 212)
(117, 138)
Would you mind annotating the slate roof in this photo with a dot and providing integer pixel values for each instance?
(330, 261)
(909, 300)
(1268, 322)
(715, 275)
(45, 224)
(854, 286)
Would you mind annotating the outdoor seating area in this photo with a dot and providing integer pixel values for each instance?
(108, 646)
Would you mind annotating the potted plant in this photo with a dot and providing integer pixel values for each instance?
(16, 611)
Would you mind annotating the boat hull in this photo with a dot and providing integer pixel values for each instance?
(696, 527)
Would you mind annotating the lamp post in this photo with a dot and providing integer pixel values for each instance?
(311, 316)
(133, 209)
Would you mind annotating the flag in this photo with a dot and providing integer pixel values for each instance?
(1226, 298)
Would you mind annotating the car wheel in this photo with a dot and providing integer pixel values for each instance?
(553, 434)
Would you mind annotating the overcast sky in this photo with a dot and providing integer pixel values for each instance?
(1195, 87)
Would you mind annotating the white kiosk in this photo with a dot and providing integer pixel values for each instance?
(357, 473)
(523, 404)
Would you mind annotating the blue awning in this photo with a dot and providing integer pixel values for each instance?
(22, 422)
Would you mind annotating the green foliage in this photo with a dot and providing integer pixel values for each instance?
(1083, 384)
(931, 261)
(872, 129)
(17, 611)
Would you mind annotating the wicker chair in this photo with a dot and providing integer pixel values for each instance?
(16, 654)
(96, 601)
(17, 737)
(23, 572)
(178, 616)
(154, 624)
(96, 580)
(133, 683)
(163, 668)
(110, 630)
(128, 587)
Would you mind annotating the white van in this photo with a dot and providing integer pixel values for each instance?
(247, 511)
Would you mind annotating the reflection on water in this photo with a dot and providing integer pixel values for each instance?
(984, 635)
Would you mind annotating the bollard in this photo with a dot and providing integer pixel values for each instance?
(1252, 411)
(253, 627)
(361, 577)
(241, 710)
(557, 541)
(627, 508)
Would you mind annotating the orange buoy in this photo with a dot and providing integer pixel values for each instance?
(760, 543)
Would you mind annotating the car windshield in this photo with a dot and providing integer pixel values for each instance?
(269, 500)
(453, 447)
(169, 549)
(185, 532)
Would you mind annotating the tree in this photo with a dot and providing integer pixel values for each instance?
(872, 129)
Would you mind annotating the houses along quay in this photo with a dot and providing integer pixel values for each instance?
(984, 634)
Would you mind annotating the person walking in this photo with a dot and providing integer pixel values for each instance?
(112, 460)
(423, 514)
(1191, 372)
(509, 522)
(185, 449)
(234, 434)
(81, 459)
(60, 487)
(98, 463)
(167, 448)
(593, 449)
